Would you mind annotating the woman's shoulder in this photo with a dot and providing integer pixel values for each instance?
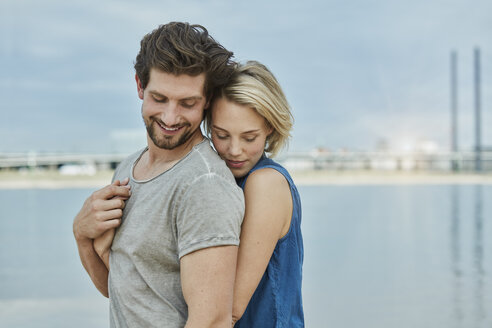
(267, 181)
(266, 176)
(268, 198)
(274, 167)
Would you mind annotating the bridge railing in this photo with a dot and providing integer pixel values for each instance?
(392, 161)
(315, 160)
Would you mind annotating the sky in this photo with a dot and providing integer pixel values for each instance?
(357, 74)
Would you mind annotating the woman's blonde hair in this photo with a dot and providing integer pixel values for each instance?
(253, 85)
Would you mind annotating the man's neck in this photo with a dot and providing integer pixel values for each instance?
(157, 154)
(157, 160)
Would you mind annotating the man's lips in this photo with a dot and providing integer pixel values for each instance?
(170, 130)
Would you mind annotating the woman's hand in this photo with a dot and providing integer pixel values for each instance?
(102, 245)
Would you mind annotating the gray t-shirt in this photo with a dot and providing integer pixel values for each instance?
(194, 205)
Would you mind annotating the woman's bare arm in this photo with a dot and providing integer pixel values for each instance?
(267, 219)
(102, 246)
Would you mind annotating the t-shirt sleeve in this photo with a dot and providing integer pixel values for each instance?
(209, 214)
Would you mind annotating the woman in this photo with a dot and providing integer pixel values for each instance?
(249, 118)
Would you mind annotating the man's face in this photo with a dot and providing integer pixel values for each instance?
(172, 107)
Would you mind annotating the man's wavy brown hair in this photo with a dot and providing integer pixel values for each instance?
(180, 48)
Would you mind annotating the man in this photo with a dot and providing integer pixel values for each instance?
(173, 256)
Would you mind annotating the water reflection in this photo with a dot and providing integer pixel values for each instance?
(456, 256)
(478, 257)
(477, 313)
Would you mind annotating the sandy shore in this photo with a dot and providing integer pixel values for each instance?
(54, 180)
(381, 177)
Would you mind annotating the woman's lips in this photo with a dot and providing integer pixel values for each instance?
(235, 164)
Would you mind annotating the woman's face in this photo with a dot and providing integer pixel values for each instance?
(239, 135)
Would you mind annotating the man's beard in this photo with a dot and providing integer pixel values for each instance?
(167, 142)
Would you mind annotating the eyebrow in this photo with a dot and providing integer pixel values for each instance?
(155, 93)
(193, 98)
(245, 132)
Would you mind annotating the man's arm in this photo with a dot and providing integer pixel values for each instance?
(207, 280)
(101, 211)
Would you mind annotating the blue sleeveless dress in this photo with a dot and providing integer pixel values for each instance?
(277, 301)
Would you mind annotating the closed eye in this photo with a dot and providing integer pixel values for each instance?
(219, 134)
(189, 104)
(159, 99)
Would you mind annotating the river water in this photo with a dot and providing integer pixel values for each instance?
(375, 256)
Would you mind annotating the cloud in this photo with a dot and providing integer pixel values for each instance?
(337, 61)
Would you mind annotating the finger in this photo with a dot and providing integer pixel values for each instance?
(111, 224)
(120, 197)
(109, 215)
(123, 182)
(111, 204)
(111, 191)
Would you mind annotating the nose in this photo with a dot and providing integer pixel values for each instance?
(170, 114)
(235, 148)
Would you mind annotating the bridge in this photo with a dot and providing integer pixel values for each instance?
(313, 160)
(58, 160)
(386, 160)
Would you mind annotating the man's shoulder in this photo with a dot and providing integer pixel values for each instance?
(130, 159)
(126, 164)
(203, 160)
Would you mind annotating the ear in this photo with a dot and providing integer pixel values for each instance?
(140, 90)
(207, 105)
